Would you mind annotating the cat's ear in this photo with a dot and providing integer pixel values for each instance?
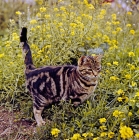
(81, 60)
(98, 58)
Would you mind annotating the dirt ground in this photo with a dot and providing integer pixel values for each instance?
(9, 128)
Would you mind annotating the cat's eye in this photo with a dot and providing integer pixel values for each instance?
(98, 69)
(89, 69)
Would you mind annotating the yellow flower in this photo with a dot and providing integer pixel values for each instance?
(85, 2)
(88, 134)
(114, 32)
(133, 84)
(72, 33)
(113, 16)
(76, 136)
(33, 21)
(55, 132)
(1, 55)
(97, 138)
(40, 2)
(137, 135)
(56, 9)
(103, 134)
(18, 12)
(120, 91)
(128, 25)
(103, 127)
(129, 13)
(74, 25)
(130, 114)
(132, 67)
(62, 8)
(119, 99)
(114, 78)
(117, 113)
(8, 43)
(137, 94)
(91, 6)
(131, 54)
(108, 64)
(38, 14)
(118, 29)
(128, 76)
(110, 135)
(132, 32)
(126, 132)
(102, 120)
(103, 12)
(115, 63)
(47, 16)
(15, 36)
(42, 9)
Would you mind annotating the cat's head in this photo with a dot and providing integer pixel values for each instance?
(89, 66)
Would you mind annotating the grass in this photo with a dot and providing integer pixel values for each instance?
(59, 34)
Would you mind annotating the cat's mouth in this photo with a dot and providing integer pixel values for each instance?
(90, 78)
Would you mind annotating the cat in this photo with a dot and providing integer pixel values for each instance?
(50, 84)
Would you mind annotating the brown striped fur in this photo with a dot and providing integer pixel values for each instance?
(50, 84)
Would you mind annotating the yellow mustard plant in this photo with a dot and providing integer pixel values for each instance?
(117, 113)
(47, 16)
(131, 54)
(111, 135)
(103, 127)
(15, 36)
(55, 132)
(40, 2)
(128, 25)
(76, 136)
(133, 84)
(137, 135)
(42, 9)
(38, 15)
(130, 114)
(119, 99)
(1, 55)
(129, 13)
(126, 132)
(114, 78)
(18, 13)
(103, 134)
(132, 32)
(102, 120)
(137, 94)
(128, 76)
(87, 134)
(33, 21)
(114, 17)
(120, 91)
(96, 138)
(115, 63)
(109, 64)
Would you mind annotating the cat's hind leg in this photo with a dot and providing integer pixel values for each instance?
(37, 115)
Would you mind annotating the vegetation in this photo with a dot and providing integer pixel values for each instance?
(59, 34)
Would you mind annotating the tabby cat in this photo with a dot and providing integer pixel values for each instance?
(50, 84)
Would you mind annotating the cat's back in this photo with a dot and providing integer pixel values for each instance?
(51, 71)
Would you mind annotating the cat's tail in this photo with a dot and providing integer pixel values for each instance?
(26, 50)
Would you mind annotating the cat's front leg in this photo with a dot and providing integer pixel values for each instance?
(37, 115)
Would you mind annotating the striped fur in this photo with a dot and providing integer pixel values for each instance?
(48, 85)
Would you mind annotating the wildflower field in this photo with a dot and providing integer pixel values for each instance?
(59, 34)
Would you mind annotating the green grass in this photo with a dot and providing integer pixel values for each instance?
(57, 34)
